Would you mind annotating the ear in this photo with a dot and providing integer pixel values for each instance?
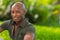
(25, 11)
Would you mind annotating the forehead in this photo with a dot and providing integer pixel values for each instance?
(18, 6)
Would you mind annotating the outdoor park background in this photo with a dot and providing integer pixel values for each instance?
(43, 14)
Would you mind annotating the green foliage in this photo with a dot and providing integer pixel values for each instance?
(47, 33)
(5, 35)
(44, 10)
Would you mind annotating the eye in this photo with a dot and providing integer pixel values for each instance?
(20, 12)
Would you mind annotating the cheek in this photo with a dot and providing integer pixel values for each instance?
(18, 14)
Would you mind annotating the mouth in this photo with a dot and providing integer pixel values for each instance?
(17, 18)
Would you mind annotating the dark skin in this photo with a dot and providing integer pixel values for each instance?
(18, 12)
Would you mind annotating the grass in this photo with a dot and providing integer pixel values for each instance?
(47, 33)
(42, 33)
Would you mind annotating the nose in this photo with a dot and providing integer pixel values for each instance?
(13, 14)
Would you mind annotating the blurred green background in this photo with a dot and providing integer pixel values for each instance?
(43, 14)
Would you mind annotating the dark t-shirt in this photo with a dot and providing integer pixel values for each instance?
(25, 27)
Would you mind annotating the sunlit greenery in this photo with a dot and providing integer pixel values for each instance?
(47, 33)
(5, 35)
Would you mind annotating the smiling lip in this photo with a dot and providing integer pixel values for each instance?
(15, 18)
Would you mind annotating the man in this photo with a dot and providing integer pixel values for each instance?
(18, 26)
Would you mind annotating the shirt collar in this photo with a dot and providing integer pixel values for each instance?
(22, 24)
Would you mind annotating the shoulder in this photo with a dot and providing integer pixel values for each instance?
(5, 23)
(29, 27)
(28, 24)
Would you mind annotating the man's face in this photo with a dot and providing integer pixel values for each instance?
(16, 13)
